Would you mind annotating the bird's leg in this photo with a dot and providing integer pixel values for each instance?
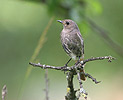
(67, 62)
(63, 68)
(77, 62)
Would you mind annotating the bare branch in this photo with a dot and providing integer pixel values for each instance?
(62, 68)
(70, 89)
(73, 70)
(110, 58)
(47, 84)
(49, 67)
(82, 91)
(93, 79)
(4, 92)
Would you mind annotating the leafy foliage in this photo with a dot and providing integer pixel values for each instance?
(74, 9)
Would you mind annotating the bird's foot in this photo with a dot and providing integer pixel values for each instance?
(64, 68)
(77, 62)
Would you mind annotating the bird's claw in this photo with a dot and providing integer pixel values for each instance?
(64, 68)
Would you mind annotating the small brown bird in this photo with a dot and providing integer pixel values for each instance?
(72, 42)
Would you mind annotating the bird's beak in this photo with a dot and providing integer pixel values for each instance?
(60, 21)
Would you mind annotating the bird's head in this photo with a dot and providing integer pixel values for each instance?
(68, 24)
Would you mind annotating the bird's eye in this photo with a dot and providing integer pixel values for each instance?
(67, 23)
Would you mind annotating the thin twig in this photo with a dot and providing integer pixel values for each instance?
(47, 84)
(49, 67)
(62, 68)
(82, 91)
(110, 58)
(4, 92)
(93, 79)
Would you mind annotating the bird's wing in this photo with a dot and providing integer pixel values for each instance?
(65, 46)
(73, 44)
(81, 41)
(77, 42)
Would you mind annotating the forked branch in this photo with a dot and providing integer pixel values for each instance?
(62, 68)
(74, 70)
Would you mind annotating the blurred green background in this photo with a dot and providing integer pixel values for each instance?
(22, 22)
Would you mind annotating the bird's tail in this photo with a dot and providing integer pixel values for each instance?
(82, 75)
